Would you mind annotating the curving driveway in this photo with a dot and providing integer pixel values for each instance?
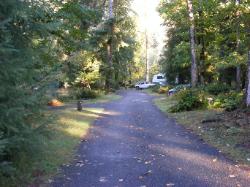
(135, 145)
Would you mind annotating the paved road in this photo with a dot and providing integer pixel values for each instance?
(135, 145)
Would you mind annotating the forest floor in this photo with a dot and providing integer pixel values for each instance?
(133, 143)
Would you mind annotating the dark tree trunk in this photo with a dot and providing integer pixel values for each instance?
(110, 48)
(238, 68)
(202, 43)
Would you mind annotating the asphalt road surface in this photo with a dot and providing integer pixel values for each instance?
(135, 145)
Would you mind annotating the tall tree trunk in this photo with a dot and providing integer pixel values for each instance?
(248, 81)
(194, 74)
(238, 68)
(202, 43)
(146, 56)
(110, 49)
(146, 44)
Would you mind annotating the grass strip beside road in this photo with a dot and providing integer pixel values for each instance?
(67, 129)
(230, 139)
(103, 99)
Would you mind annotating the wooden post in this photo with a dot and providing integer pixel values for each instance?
(79, 105)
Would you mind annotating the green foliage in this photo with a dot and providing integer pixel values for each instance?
(188, 100)
(217, 88)
(155, 88)
(222, 40)
(5, 166)
(85, 93)
(176, 60)
(229, 101)
(86, 41)
(47, 41)
(26, 67)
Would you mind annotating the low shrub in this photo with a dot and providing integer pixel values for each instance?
(65, 98)
(65, 94)
(155, 88)
(85, 93)
(229, 101)
(217, 88)
(188, 100)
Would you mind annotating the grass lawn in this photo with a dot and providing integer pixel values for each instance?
(67, 129)
(225, 133)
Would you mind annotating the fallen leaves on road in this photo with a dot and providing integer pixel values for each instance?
(148, 162)
(79, 165)
(170, 184)
(103, 179)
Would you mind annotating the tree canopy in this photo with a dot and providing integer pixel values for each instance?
(221, 39)
(48, 41)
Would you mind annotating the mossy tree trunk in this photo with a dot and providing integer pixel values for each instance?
(238, 67)
(110, 48)
(248, 81)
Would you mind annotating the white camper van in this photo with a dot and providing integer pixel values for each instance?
(159, 79)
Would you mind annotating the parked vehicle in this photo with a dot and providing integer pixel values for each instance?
(143, 85)
(178, 88)
(159, 79)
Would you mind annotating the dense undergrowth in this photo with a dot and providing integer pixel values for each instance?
(209, 96)
(188, 100)
(78, 93)
(45, 45)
